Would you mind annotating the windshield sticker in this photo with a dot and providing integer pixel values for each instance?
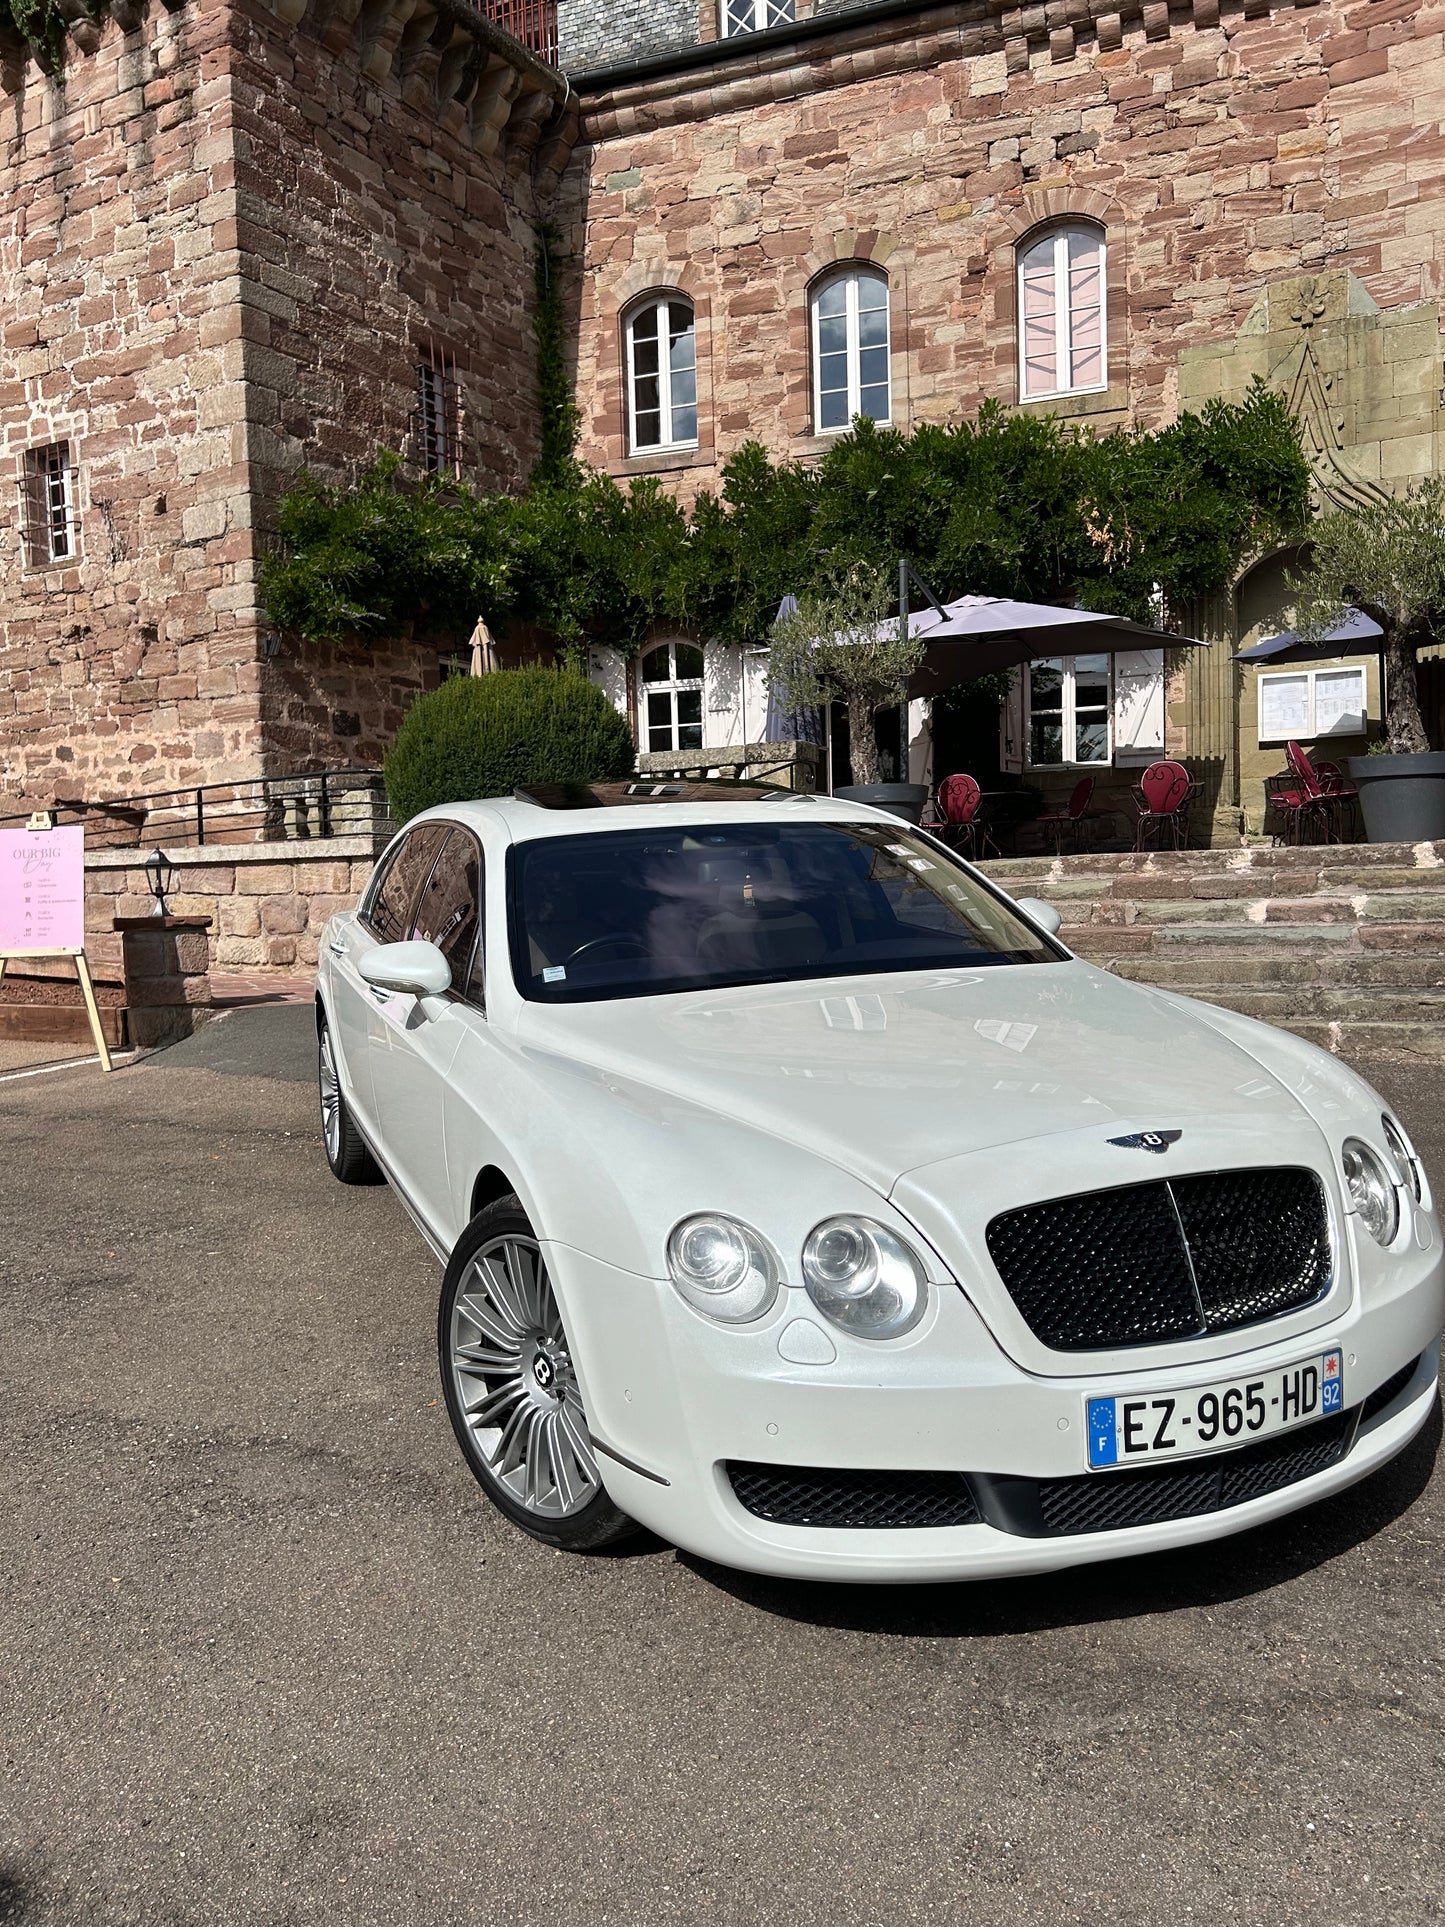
(554, 973)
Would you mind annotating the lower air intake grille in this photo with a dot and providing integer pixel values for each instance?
(799, 1495)
(1387, 1393)
(1106, 1502)
(1177, 1258)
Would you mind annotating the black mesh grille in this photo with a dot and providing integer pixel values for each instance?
(1105, 1502)
(1259, 1242)
(800, 1495)
(1172, 1259)
(1387, 1393)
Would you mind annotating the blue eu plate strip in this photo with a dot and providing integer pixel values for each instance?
(1103, 1432)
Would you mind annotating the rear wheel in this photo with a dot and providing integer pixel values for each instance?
(511, 1390)
(346, 1150)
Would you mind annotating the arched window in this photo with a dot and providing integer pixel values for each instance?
(1062, 346)
(850, 348)
(661, 374)
(752, 16)
(672, 697)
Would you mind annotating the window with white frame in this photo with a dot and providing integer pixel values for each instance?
(438, 413)
(752, 16)
(850, 349)
(1310, 703)
(48, 488)
(671, 697)
(1062, 313)
(661, 350)
(1068, 720)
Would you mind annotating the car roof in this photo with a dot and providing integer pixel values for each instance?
(525, 819)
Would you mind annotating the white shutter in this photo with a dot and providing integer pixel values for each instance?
(1138, 707)
(1011, 727)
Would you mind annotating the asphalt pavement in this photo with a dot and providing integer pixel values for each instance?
(267, 1656)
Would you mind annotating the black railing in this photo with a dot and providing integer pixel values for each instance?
(262, 809)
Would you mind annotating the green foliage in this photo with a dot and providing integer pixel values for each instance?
(482, 735)
(1009, 504)
(844, 642)
(556, 408)
(1389, 560)
(38, 24)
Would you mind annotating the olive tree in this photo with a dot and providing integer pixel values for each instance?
(845, 642)
(1387, 560)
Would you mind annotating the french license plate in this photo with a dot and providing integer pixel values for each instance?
(1135, 1429)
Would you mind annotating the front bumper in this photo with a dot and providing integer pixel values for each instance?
(673, 1398)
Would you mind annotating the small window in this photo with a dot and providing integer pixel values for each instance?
(671, 699)
(850, 349)
(1307, 704)
(661, 375)
(1068, 711)
(397, 885)
(449, 911)
(1062, 350)
(438, 414)
(752, 16)
(49, 505)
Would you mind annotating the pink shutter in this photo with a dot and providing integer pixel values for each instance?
(1038, 319)
(1086, 311)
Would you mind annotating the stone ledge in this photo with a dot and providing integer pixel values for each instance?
(318, 849)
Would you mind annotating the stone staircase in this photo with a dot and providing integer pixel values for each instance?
(1342, 944)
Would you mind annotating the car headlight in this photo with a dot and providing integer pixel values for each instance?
(1371, 1190)
(722, 1267)
(1405, 1155)
(863, 1278)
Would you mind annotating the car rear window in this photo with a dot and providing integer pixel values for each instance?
(630, 913)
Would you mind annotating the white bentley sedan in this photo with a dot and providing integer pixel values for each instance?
(803, 1199)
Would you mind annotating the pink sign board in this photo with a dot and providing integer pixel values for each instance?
(42, 889)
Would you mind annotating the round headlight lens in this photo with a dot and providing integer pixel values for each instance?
(1371, 1190)
(863, 1278)
(1403, 1152)
(722, 1267)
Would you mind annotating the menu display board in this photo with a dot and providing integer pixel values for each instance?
(42, 889)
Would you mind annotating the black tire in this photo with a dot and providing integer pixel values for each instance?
(538, 1412)
(345, 1147)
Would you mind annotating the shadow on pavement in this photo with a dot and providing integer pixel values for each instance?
(17, 1896)
(1194, 1576)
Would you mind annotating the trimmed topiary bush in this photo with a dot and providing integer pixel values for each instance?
(483, 735)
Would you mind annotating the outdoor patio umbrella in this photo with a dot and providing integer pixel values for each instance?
(976, 635)
(1355, 635)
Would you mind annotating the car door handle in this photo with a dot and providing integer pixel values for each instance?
(381, 996)
(336, 948)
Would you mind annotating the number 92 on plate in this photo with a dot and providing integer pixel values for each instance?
(1134, 1428)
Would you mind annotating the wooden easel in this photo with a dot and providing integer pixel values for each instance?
(42, 820)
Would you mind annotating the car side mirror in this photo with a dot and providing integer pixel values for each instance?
(407, 969)
(1034, 908)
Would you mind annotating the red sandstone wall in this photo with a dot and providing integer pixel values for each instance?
(1219, 155)
(224, 242)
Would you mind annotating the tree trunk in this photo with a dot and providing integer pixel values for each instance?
(1404, 725)
(862, 743)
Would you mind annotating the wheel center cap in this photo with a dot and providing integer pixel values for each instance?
(544, 1371)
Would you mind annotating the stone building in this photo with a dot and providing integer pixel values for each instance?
(233, 239)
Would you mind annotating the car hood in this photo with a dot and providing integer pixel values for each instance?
(884, 1074)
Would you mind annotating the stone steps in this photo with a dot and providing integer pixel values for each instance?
(1345, 946)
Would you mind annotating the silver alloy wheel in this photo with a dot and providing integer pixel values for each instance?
(514, 1382)
(330, 1098)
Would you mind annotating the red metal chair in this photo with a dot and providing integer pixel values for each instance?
(1160, 802)
(958, 802)
(1069, 821)
(1341, 799)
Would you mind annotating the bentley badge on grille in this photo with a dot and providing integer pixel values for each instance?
(1157, 1141)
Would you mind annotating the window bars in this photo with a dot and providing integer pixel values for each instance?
(48, 505)
(437, 422)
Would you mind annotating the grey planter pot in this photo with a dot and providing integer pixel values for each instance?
(899, 799)
(1402, 798)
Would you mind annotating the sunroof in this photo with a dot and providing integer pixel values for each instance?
(610, 796)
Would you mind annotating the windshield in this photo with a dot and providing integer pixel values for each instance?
(633, 913)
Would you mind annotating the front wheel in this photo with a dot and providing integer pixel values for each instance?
(511, 1390)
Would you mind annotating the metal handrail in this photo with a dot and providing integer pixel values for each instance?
(309, 804)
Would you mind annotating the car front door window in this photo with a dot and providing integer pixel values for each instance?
(449, 910)
(388, 913)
